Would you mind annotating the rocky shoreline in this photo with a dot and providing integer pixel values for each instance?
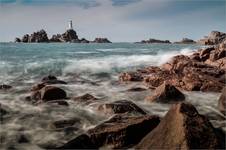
(69, 36)
(130, 126)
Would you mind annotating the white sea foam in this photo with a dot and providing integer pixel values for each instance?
(106, 64)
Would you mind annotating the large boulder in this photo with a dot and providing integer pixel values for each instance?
(214, 38)
(222, 102)
(119, 107)
(49, 93)
(182, 128)
(118, 132)
(166, 93)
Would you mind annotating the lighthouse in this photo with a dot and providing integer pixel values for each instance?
(70, 27)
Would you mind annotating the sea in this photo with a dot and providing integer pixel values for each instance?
(87, 68)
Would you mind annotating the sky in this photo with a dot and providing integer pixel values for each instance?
(118, 20)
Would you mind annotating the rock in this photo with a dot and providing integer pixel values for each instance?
(83, 40)
(120, 106)
(86, 99)
(52, 80)
(58, 102)
(2, 111)
(17, 40)
(154, 41)
(131, 76)
(49, 93)
(56, 38)
(5, 87)
(61, 124)
(81, 142)
(182, 128)
(69, 36)
(137, 89)
(214, 38)
(118, 132)
(185, 41)
(166, 93)
(101, 40)
(38, 37)
(25, 38)
(222, 102)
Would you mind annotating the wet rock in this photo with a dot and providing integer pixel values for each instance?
(86, 99)
(166, 93)
(131, 76)
(154, 41)
(185, 41)
(118, 132)
(56, 38)
(182, 128)
(50, 79)
(222, 102)
(137, 89)
(101, 40)
(2, 111)
(61, 124)
(58, 102)
(81, 142)
(5, 87)
(22, 139)
(49, 93)
(121, 106)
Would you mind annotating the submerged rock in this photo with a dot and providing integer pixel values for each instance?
(222, 102)
(121, 106)
(61, 124)
(131, 76)
(166, 93)
(182, 128)
(118, 132)
(49, 93)
(50, 79)
(86, 99)
(5, 87)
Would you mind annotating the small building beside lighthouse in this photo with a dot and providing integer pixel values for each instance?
(70, 26)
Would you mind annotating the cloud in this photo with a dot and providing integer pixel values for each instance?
(134, 21)
(123, 2)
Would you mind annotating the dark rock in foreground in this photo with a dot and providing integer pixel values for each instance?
(118, 132)
(49, 93)
(222, 102)
(185, 41)
(182, 128)
(119, 107)
(154, 41)
(166, 93)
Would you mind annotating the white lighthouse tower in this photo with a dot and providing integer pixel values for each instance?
(70, 26)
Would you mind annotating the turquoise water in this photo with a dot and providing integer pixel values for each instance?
(31, 61)
(87, 68)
